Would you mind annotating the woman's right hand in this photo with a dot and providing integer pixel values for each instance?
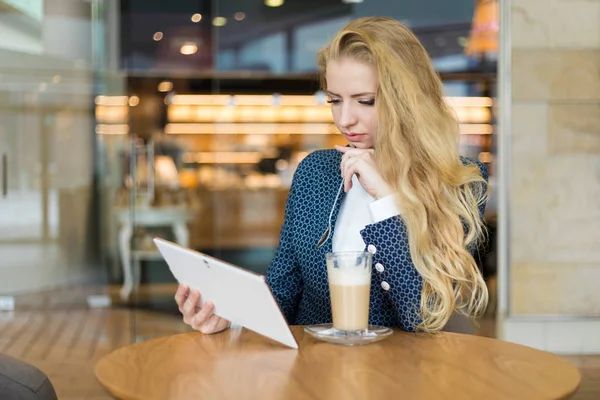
(200, 319)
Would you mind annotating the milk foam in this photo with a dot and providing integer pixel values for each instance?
(352, 276)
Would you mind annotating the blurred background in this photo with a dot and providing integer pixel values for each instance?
(121, 120)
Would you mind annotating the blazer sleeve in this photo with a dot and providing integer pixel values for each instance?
(283, 274)
(387, 241)
(482, 188)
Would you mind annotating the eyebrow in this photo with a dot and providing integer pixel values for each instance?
(353, 96)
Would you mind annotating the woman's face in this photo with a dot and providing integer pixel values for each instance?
(351, 87)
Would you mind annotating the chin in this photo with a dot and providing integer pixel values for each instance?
(361, 145)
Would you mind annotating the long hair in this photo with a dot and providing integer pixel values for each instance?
(416, 149)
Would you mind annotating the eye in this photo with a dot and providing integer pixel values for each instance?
(333, 101)
(367, 102)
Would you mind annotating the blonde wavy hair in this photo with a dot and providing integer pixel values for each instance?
(417, 154)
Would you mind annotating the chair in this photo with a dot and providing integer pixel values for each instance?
(459, 323)
(22, 381)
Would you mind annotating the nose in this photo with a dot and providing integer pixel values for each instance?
(347, 117)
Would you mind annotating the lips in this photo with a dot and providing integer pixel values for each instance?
(353, 136)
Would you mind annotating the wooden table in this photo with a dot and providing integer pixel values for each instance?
(239, 364)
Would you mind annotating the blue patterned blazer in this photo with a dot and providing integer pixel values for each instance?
(298, 273)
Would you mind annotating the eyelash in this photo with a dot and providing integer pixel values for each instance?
(363, 102)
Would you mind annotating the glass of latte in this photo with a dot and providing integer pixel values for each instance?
(349, 275)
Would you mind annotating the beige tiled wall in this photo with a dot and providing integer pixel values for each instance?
(554, 190)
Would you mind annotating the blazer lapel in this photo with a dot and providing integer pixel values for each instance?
(335, 187)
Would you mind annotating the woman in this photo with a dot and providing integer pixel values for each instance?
(399, 190)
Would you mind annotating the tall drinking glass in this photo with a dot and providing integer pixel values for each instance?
(349, 275)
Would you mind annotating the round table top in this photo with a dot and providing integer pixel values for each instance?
(240, 364)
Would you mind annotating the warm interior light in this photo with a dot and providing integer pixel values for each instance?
(196, 18)
(224, 157)
(250, 129)
(250, 113)
(296, 100)
(188, 48)
(483, 37)
(469, 101)
(219, 21)
(201, 99)
(254, 100)
(134, 101)
(289, 114)
(165, 86)
(112, 100)
(239, 16)
(273, 3)
(284, 129)
(485, 157)
(103, 129)
(476, 129)
(158, 36)
(112, 114)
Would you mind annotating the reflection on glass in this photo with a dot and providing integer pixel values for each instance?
(121, 120)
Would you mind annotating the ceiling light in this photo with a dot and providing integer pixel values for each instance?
(352, 1)
(165, 86)
(239, 16)
(196, 18)
(158, 36)
(273, 3)
(188, 48)
(134, 101)
(219, 21)
(111, 100)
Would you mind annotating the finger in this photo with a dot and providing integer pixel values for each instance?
(346, 158)
(352, 168)
(347, 179)
(341, 149)
(347, 174)
(350, 165)
(343, 164)
(347, 183)
(181, 295)
(189, 307)
(203, 315)
(211, 325)
(357, 152)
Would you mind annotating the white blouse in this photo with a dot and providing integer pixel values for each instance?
(358, 210)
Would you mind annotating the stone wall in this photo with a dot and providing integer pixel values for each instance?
(554, 191)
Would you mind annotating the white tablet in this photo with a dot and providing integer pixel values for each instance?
(239, 295)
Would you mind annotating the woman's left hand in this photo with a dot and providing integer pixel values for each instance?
(361, 162)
